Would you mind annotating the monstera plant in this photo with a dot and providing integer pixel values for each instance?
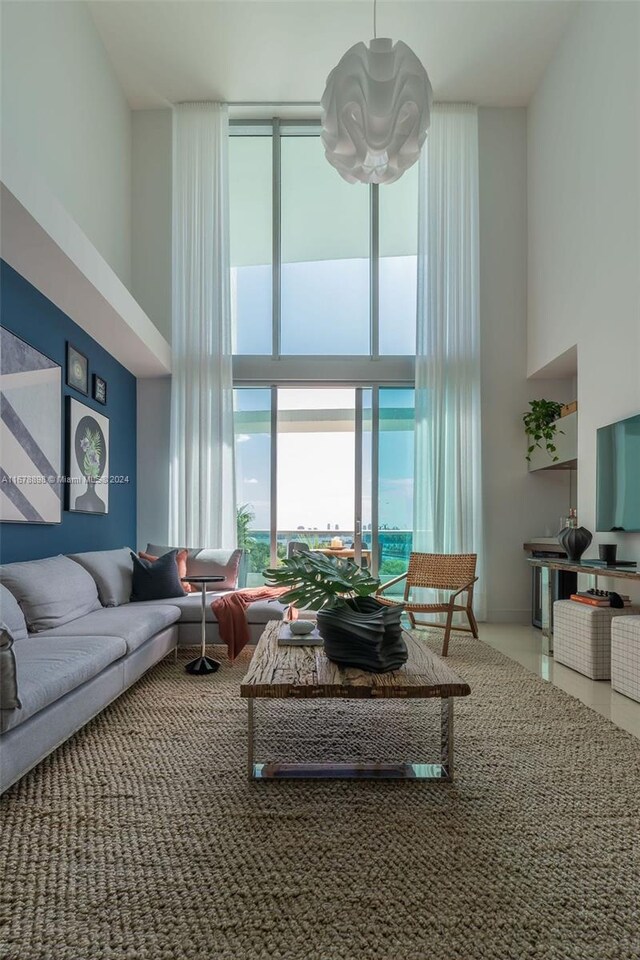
(357, 629)
(317, 581)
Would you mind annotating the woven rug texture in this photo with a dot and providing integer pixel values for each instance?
(142, 839)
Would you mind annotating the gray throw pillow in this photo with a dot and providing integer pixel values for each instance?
(51, 592)
(112, 571)
(11, 615)
(9, 699)
(208, 562)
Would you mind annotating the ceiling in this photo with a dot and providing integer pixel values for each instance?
(166, 51)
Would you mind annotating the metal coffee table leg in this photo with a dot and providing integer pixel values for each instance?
(354, 771)
(446, 737)
(250, 741)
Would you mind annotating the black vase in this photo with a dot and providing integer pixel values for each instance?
(575, 541)
(364, 633)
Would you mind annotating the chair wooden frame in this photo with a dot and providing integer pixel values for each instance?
(438, 571)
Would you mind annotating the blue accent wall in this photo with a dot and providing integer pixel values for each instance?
(34, 318)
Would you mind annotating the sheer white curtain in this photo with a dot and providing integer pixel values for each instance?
(448, 467)
(202, 508)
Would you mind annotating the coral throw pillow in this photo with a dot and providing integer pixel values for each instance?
(181, 560)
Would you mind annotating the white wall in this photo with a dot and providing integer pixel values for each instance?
(518, 505)
(151, 210)
(65, 115)
(584, 227)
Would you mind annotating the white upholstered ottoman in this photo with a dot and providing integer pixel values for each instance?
(582, 636)
(625, 656)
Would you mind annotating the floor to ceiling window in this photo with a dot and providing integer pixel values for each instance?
(316, 457)
(252, 422)
(395, 478)
(398, 264)
(324, 305)
(315, 463)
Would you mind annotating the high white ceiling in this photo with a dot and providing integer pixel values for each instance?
(481, 51)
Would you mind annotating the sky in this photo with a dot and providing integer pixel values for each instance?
(316, 476)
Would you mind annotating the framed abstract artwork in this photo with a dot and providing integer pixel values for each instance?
(99, 389)
(77, 370)
(30, 433)
(87, 459)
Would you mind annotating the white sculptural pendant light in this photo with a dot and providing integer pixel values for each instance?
(376, 110)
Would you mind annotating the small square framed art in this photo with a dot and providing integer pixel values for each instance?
(77, 370)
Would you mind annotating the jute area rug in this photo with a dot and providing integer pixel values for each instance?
(141, 838)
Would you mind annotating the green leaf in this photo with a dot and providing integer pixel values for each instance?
(318, 581)
(540, 423)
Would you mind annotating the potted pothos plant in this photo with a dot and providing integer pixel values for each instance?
(357, 629)
(541, 427)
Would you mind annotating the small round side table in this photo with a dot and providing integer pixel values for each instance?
(203, 664)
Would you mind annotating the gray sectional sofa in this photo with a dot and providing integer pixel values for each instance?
(78, 641)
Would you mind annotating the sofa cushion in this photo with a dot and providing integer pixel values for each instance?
(262, 611)
(190, 606)
(51, 592)
(9, 699)
(112, 571)
(203, 563)
(11, 615)
(47, 669)
(134, 626)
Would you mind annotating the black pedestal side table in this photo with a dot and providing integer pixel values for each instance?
(203, 664)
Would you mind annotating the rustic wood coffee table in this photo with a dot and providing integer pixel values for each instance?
(283, 672)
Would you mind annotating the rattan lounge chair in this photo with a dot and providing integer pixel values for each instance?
(455, 572)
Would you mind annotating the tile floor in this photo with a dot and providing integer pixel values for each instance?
(524, 644)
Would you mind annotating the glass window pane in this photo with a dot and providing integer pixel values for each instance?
(398, 220)
(250, 218)
(395, 485)
(252, 421)
(325, 251)
(316, 458)
(367, 478)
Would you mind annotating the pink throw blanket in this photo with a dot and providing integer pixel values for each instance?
(230, 612)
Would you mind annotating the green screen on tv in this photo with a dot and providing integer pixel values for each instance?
(618, 476)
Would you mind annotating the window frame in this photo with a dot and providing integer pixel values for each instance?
(284, 369)
(376, 413)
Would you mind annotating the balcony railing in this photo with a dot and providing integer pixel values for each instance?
(394, 547)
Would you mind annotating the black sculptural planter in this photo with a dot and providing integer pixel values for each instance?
(358, 630)
(575, 541)
(364, 633)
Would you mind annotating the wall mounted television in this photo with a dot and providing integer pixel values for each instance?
(618, 476)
